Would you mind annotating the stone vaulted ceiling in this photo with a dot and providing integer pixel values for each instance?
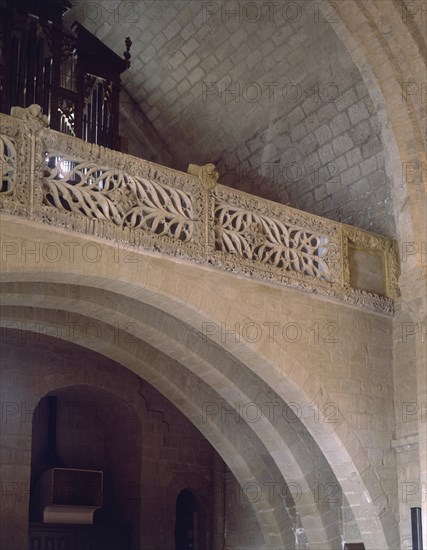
(264, 89)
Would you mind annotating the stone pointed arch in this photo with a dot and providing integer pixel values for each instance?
(181, 290)
(242, 453)
(387, 44)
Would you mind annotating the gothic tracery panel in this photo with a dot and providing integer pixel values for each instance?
(270, 241)
(102, 193)
(7, 163)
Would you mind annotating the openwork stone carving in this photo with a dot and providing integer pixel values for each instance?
(93, 190)
(103, 193)
(269, 241)
(7, 164)
(16, 146)
(273, 242)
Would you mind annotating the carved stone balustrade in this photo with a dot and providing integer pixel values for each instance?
(62, 181)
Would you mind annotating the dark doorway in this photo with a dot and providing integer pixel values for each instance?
(80, 432)
(187, 521)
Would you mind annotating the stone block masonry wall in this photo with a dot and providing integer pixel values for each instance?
(95, 430)
(241, 532)
(409, 345)
(332, 361)
(267, 92)
(148, 450)
(178, 48)
(138, 137)
(328, 164)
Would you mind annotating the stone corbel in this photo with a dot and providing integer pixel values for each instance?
(32, 115)
(207, 174)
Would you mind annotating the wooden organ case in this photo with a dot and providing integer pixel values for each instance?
(70, 73)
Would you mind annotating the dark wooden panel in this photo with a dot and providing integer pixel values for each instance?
(31, 65)
(6, 19)
(78, 537)
(100, 101)
(13, 100)
(39, 72)
(36, 48)
(22, 69)
(94, 113)
(46, 86)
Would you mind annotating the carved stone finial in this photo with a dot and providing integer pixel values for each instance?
(206, 174)
(32, 114)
